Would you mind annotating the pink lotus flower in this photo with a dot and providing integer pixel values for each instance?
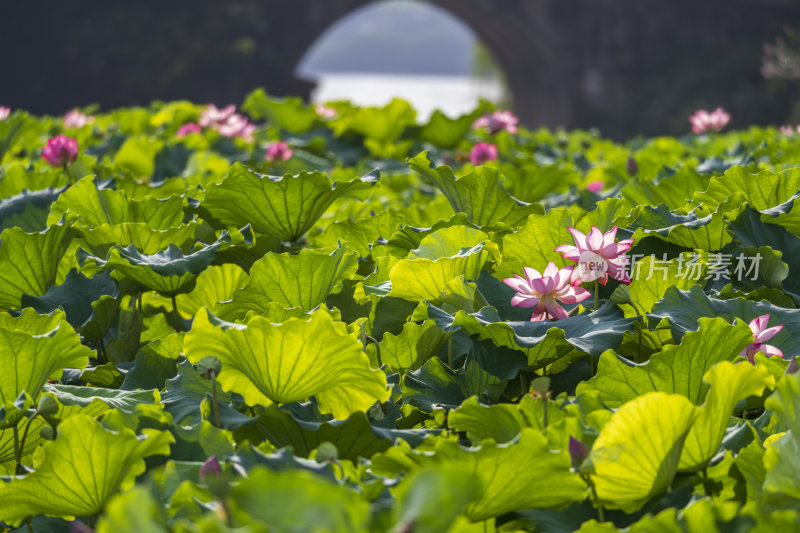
(483, 152)
(597, 255)
(761, 334)
(789, 130)
(278, 151)
(60, 151)
(703, 121)
(595, 186)
(324, 111)
(186, 129)
(76, 119)
(497, 121)
(544, 291)
(212, 116)
(4, 112)
(237, 126)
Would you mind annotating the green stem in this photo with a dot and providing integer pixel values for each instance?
(596, 293)
(214, 398)
(103, 351)
(174, 306)
(16, 446)
(368, 339)
(522, 384)
(22, 442)
(544, 411)
(68, 173)
(30, 525)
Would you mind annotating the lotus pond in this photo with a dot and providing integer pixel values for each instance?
(296, 318)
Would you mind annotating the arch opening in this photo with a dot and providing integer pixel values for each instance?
(410, 49)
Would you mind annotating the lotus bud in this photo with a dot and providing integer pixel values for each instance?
(60, 151)
(210, 468)
(621, 295)
(47, 433)
(578, 452)
(793, 366)
(632, 167)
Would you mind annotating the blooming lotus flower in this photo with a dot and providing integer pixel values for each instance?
(544, 291)
(595, 186)
(212, 116)
(278, 151)
(761, 334)
(186, 129)
(60, 151)
(703, 121)
(785, 130)
(483, 152)
(497, 121)
(4, 112)
(597, 255)
(237, 126)
(324, 111)
(76, 119)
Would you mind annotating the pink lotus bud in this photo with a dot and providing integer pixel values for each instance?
(483, 152)
(496, 122)
(632, 167)
(210, 468)
(278, 151)
(186, 129)
(60, 151)
(793, 366)
(76, 119)
(324, 111)
(4, 112)
(595, 186)
(578, 452)
(77, 526)
(761, 334)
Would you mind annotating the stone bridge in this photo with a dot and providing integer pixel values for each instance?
(629, 66)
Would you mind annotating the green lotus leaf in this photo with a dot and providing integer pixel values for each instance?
(355, 437)
(297, 500)
(169, 272)
(763, 190)
(155, 363)
(29, 262)
(290, 114)
(93, 207)
(782, 456)
(521, 474)
(286, 207)
(673, 191)
(432, 498)
(710, 233)
(135, 511)
(81, 469)
(442, 256)
(359, 235)
(729, 383)
(636, 454)
(542, 342)
(35, 348)
(411, 348)
(446, 132)
(125, 401)
(676, 369)
(288, 362)
(300, 280)
(214, 285)
(479, 194)
(28, 209)
(532, 245)
(652, 277)
(75, 296)
(139, 234)
(685, 308)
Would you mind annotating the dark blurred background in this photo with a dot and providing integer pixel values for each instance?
(627, 67)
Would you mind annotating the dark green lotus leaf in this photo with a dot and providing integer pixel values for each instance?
(155, 363)
(354, 437)
(28, 209)
(685, 308)
(543, 342)
(710, 233)
(169, 272)
(184, 394)
(751, 231)
(672, 191)
(29, 262)
(479, 194)
(75, 296)
(286, 207)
